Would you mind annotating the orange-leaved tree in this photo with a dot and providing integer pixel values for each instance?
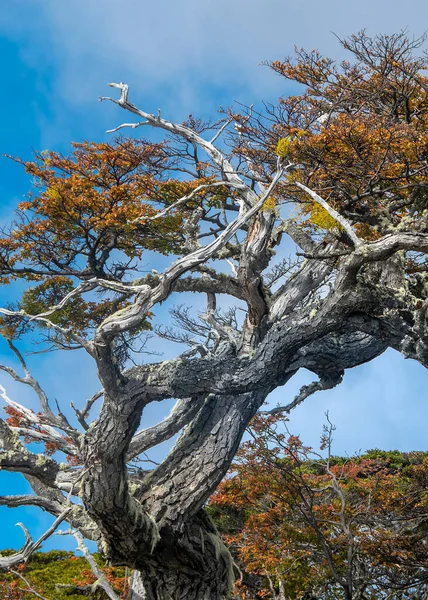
(304, 525)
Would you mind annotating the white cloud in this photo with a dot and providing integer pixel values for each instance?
(177, 51)
(379, 405)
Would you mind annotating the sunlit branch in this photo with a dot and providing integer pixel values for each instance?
(379, 250)
(80, 289)
(148, 297)
(299, 286)
(101, 580)
(220, 131)
(56, 420)
(128, 125)
(6, 562)
(47, 433)
(156, 121)
(333, 213)
(68, 333)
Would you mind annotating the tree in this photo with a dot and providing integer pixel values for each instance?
(308, 526)
(339, 172)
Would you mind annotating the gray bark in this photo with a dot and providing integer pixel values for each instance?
(195, 566)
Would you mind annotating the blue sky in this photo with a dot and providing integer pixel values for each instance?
(185, 57)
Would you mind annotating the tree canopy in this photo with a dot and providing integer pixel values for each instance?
(336, 175)
(304, 525)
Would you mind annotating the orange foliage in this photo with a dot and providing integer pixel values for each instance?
(282, 517)
(101, 198)
(17, 419)
(357, 135)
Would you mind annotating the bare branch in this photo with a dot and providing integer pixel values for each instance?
(188, 134)
(131, 125)
(48, 433)
(182, 413)
(31, 500)
(147, 298)
(285, 267)
(220, 131)
(183, 200)
(85, 286)
(333, 213)
(83, 414)
(60, 420)
(101, 578)
(299, 286)
(29, 589)
(379, 250)
(326, 382)
(226, 333)
(6, 562)
(68, 333)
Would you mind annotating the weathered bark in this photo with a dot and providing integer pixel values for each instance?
(162, 529)
(254, 259)
(194, 566)
(200, 459)
(269, 365)
(104, 490)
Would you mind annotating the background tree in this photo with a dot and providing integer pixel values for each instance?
(339, 172)
(313, 527)
(60, 575)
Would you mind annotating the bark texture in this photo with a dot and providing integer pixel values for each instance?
(195, 565)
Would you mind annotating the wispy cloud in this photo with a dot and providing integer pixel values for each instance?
(185, 53)
(379, 405)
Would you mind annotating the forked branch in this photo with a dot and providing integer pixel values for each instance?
(6, 562)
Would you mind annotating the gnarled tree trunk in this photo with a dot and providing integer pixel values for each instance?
(162, 530)
(197, 566)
